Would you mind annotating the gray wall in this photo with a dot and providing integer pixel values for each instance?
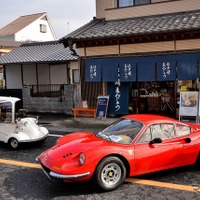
(62, 104)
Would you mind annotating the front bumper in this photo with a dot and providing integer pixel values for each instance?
(50, 174)
(68, 177)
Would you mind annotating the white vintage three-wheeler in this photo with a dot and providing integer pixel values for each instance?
(20, 130)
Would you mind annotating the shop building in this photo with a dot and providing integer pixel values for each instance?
(141, 53)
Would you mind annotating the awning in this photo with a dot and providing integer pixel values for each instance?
(146, 69)
(127, 68)
(166, 68)
(110, 72)
(187, 66)
(93, 70)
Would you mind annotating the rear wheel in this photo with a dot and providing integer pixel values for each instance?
(13, 143)
(110, 173)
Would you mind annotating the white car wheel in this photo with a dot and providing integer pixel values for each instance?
(13, 142)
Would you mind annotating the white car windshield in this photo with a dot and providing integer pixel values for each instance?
(122, 131)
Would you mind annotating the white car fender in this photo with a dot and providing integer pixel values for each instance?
(20, 136)
(44, 130)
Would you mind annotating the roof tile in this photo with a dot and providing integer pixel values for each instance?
(38, 52)
(99, 28)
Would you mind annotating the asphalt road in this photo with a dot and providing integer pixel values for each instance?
(22, 179)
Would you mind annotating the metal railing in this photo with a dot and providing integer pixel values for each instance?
(46, 90)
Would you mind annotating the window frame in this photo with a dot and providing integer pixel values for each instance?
(75, 76)
(43, 28)
(134, 3)
(183, 125)
(150, 127)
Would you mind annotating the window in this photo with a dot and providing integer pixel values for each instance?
(140, 2)
(125, 3)
(5, 112)
(75, 74)
(122, 131)
(163, 131)
(182, 130)
(43, 28)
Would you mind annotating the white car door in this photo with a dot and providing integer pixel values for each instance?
(6, 129)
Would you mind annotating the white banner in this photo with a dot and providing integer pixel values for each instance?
(188, 103)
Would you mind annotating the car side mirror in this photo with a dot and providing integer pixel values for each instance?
(155, 141)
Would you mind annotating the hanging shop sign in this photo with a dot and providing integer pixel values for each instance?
(127, 67)
(93, 70)
(117, 92)
(119, 96)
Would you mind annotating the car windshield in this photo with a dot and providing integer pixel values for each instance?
(122, 131)
(5, 112)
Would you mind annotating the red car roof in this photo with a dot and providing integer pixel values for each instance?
(149, 118)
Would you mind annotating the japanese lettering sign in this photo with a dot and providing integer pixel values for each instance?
(117, 92)
(127, 71)
(166, 69)
(93, 71)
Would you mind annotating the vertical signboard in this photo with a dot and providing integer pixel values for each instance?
(102, 106)
(188, 103)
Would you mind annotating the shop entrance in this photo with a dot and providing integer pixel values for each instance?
(153, 97)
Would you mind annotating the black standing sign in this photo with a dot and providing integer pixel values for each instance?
(102, 105)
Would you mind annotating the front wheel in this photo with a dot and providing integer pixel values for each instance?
(110, 173)
(197, 163)
(13, 143)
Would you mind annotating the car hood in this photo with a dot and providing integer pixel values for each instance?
(71, 145)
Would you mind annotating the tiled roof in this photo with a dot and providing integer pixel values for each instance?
(166, 23)
(9, 43)
(38, 53)
(19, 24)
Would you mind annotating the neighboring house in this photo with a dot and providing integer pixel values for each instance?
(139, 52)
(44, 74)
(29, 28)
(5, 47)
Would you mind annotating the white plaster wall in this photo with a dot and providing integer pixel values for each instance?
(32, 32)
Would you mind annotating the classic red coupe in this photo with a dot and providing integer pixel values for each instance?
(133, 145)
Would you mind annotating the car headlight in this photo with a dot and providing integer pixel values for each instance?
(82, 158)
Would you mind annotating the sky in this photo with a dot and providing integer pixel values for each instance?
(65, 15)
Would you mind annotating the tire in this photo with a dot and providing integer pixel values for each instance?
(197, 163)
(110, 173)
(13, 143)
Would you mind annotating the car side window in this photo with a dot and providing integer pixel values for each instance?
(161, 130)
(182, 130)
(146, 137)
(5, 112)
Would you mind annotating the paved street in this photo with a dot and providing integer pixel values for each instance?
(22, 178)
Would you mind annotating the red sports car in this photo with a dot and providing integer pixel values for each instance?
(133, 145)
